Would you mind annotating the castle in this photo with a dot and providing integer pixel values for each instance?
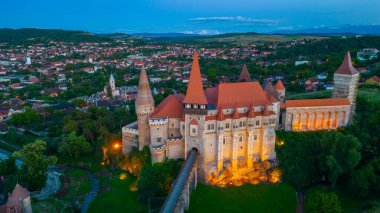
(233, 124)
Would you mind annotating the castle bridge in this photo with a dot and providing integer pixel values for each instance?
(178, 198)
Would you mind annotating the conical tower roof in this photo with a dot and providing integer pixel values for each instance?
(195, 93)
(144, 95)
(279, 85)
(346, 67)
(220, 116)
(251, 112)
(236, 114)
(244, 75)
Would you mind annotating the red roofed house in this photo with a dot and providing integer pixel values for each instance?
(231, 125)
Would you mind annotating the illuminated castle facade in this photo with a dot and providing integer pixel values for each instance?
(233, 124)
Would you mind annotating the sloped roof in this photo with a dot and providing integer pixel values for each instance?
(235, 115)
(170, 107)
(195, 93)
(244, 75)
(317, 102)
(241, 94)
(346, 67)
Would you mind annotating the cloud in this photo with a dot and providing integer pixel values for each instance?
(202, 32)
(236, 19)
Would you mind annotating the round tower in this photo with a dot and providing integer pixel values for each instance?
(144, 108)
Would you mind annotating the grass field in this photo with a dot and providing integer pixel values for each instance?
(117, 195)
(248, 38)
(247, 198)
(366, 92)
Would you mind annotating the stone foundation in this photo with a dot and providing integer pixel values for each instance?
(266, 171)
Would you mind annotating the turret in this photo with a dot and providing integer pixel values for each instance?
(112, 83)
(346, 80)
(144, 108)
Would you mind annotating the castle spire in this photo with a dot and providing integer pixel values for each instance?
(244, 75)
(251, 112)
(195, 93)
(235, 115)
(346, 67)
(220, 116)
(144, 95)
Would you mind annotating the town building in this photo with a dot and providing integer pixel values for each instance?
(231, 125)
(18, 201)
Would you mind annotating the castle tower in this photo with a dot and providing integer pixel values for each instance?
(195, 103)
(346, 80)
(280, 91)
(220, 131)
(235, 139)
(144, 108)
(244, 75)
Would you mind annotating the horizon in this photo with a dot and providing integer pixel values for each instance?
(188, 17)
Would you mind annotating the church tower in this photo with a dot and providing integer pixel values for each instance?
(112, 83)
(346, 80)
(144, 108)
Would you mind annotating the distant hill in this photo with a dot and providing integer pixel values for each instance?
(33, 35)
(340, 30)
(165, 35)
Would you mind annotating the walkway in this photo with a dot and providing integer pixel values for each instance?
(93, 193)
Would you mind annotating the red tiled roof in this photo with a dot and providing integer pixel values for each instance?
(346, 67)
(244, 75)
(195, 93)
(240, 94)
(279, 85)
(170, 107)
(193, 122)
(317, 102)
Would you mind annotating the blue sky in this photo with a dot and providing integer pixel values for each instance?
(189, 16)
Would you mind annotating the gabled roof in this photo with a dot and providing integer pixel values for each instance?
(244, 75)
(195, 93)
(241, 94)
(170, 107)
(317, 102)
(346, 67)
(279, 85)
(144, 95)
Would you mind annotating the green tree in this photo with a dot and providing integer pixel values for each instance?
(8, 166)
(74, 146)
(322, 202)
(35, 164)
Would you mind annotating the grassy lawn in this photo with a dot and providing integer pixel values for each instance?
(350, 203)
(309, 95)
(247, 198)
(118, 196)
(76, 189)
(370, 93)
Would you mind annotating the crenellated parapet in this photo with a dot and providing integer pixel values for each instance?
(158, 121)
